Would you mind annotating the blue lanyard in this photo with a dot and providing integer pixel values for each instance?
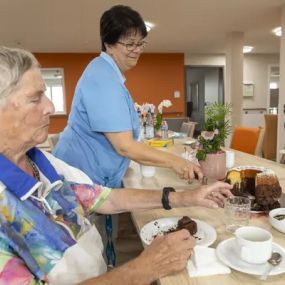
(110, 251)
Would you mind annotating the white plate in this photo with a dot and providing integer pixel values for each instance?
(176, 135)
(226, 252)
(253, 167)
(189, 142)
(205, 235)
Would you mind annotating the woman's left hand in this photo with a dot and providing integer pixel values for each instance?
(210, 196)
(186, 169)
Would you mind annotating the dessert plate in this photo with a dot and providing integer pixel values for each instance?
(176, 135)
(226, 252)
(205, 235)
(253, 167)
(189, 142)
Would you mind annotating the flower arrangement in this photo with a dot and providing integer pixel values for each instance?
(216, 129)
(163, 103)
(146, 108)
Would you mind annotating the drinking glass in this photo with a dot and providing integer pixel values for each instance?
(237, 213)
(147, 171)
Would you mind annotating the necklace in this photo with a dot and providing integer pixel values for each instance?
(36, 172)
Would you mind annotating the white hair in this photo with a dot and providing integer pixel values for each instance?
(13, 64)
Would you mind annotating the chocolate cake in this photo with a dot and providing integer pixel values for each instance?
(261, 185)
(188, 224)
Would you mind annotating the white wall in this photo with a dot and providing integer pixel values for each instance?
(205, 59)
(256, 68)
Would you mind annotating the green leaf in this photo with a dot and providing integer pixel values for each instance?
(201, 154)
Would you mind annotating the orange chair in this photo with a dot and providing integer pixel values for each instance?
(246, 139)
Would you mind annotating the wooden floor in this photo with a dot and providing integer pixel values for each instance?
(128, 244)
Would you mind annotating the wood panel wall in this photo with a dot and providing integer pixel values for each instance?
(155, 78)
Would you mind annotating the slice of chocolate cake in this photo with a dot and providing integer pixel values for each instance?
(188, 224)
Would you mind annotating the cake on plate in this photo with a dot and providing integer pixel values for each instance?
(188, 224)
(261, 185)
(184, 223)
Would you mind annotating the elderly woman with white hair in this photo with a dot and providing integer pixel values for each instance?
(45, 237)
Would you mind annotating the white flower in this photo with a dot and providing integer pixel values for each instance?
(164, 103)
(146, 107)
(138, 107)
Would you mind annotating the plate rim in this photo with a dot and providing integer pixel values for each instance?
(189, 142)
(254, 167)
(210, 227)
(237, 268)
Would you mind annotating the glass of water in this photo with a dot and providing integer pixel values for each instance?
(237, 213)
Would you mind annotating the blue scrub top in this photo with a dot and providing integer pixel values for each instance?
(101, 104)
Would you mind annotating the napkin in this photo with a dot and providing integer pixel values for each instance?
(204, 262)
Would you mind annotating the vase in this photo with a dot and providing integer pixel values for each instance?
(214, 166)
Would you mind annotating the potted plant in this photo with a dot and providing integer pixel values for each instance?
(216, 129)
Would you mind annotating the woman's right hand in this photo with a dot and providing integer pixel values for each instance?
(186, 169)
(167, 254)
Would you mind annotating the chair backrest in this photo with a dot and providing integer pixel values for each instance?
(174, 124)
(53, 139)
(246, 139)
(270, 136)
(188, 128)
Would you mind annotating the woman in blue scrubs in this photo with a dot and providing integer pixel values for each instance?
(103, 126)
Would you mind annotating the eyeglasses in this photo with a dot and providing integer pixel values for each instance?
(133, 46)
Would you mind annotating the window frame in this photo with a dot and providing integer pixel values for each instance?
(61, 71)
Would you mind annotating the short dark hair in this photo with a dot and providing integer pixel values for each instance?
(118, 22)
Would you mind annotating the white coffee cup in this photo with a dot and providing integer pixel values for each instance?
(253, 244)
(230, 158)
(147, 171)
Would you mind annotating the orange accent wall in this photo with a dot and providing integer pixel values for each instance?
(155, 78)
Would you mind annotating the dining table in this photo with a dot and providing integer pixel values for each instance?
(214, 217)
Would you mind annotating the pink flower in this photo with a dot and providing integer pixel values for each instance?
(208, 136)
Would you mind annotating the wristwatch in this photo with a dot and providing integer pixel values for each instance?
(164, 198)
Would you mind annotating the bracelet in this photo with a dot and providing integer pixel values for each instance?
(165, 195)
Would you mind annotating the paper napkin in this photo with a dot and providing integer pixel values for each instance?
(204, 262)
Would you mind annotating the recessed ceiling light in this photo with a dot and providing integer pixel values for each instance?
(277, 31)
(149, 25)
(247, 49)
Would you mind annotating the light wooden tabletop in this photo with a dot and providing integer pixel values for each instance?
(214, 217)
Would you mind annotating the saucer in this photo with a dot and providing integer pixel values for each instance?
(227, 254)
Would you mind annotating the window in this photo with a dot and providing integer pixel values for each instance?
(54, 80)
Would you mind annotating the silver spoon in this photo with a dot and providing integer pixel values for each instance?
(274, 260)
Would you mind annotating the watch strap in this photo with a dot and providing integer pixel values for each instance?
(165, 197)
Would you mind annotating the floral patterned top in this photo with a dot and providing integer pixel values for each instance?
(40, 220)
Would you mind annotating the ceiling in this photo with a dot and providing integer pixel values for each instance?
(189, 26)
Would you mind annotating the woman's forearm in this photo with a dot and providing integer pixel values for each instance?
(139, 152)
(135, 272)
(124, 200)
